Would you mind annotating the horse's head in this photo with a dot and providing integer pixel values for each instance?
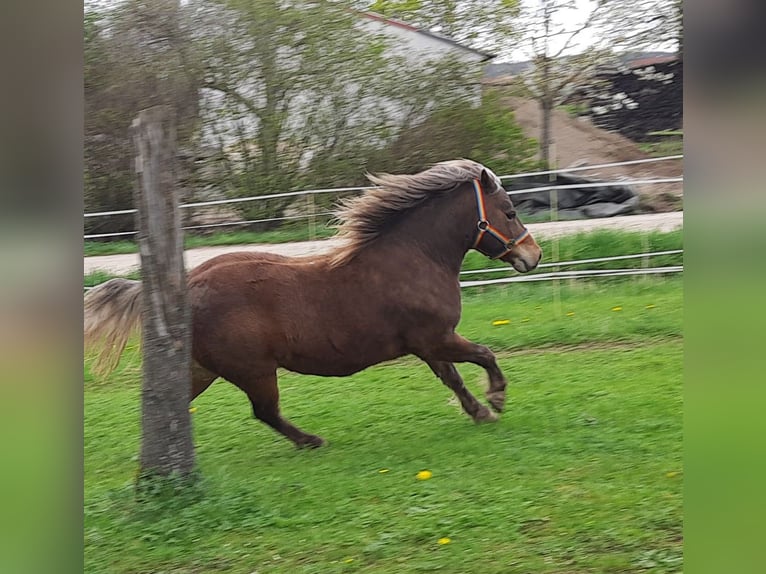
(499, 231)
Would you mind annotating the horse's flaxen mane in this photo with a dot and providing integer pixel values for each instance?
(362, 218)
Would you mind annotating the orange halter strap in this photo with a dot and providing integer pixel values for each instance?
(485, 228)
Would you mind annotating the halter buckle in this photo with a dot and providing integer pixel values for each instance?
(483, 224)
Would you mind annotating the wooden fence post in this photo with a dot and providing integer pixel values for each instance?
(312, 218)
(166, 434)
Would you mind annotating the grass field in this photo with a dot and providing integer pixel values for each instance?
(581, 474)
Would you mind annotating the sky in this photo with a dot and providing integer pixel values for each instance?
(565, 19)
(569, 19)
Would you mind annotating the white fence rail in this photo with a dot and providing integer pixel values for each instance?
(592, 167)
(571, 274)
(575, 262)
(514, 278)
(565, 275)
(574, 275)
(220, 202)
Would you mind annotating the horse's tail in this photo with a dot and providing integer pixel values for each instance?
(112, 313)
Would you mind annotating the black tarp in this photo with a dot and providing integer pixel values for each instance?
(573, 203)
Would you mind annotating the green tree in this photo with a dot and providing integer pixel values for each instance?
(281, 81)
(303, 95)
(288, 95)
(488, 134)
(108, 178)
(136, 55)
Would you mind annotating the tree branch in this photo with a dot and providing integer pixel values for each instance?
(582, 28)
(234, 94)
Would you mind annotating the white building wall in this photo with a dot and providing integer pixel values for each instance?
(417, 46)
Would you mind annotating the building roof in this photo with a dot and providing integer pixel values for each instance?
(651, 60)
(399, 24)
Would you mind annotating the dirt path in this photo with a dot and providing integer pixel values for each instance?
(122, 264)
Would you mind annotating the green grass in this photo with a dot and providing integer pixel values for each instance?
(597, 311)
(96, 277)
(671, 143)
(581, 474)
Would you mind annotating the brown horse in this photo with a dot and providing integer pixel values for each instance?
(391, 290)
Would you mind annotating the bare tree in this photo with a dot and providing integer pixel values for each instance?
(567, 45)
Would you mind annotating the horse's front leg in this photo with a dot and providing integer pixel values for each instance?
(456, 349)
(451, 378)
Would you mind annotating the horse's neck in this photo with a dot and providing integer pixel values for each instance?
(430, 233)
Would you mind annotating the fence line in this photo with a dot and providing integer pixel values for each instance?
(590, 167)
(116, 212)
(115, 234)
(307, 216)
(574, 275)
(576, 262)
(208, 225)
(562, 275)
(311, 215)
(600, 184)
(241, 199)
(364, 188)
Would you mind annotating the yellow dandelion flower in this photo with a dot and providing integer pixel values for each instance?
(383, 471)
(444, 541)
(348, 560)
(501, 322)
(672, 474)
(618, 308)
(424, 475)
(570, 314)
(192, 409)
(651, 306)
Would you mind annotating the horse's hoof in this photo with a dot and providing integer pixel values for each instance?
(310, 441)
(497, 400)
(485, 416)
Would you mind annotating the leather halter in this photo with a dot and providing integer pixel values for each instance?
(485, 228)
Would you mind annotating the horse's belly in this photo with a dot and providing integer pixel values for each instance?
(310, 367)
(333, 361)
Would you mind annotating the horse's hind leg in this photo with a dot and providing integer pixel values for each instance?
(452, 379)
(263, 393)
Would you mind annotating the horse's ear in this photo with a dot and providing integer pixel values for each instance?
(488, 183)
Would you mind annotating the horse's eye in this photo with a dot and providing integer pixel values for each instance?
(510, 214)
